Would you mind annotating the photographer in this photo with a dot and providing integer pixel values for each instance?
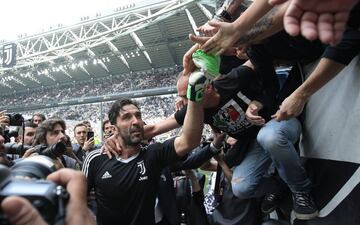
(107, 129)
(29, 133)
(20, 211)
(3, 157)
(50, 132)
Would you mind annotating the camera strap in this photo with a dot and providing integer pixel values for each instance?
(63, 198)
(22, 137)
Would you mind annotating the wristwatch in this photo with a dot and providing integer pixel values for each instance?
(223, 14)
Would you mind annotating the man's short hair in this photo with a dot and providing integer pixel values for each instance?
(80, 125)
(103, 125)
(27, 124)
(47, 126)
(87, 123)
(42, 116)
(117, 106)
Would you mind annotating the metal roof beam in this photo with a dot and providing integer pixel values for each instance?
(192, 22)
(141, 47)
(69, 40)
(117, 53)
(81, 66)
(92, 55)
(165, 35)
(204, 10)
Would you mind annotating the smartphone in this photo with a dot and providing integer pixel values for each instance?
(90, 134)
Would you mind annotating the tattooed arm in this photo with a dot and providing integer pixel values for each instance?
(268, 25)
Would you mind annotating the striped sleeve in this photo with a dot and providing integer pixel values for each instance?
(88, 160)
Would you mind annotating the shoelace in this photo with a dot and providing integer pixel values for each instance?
(303, 199)
(271, 197)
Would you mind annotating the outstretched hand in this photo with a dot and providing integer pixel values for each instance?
(225, 38)
(323, 19)
(207, 29)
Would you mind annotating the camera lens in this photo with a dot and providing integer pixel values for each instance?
(36, 167)
(55, 150)
(13, 148)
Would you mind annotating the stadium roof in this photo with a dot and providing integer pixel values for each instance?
(136, 38)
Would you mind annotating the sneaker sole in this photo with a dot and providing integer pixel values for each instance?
(306, 216)
(269, 210)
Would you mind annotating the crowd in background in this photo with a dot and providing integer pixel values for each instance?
(117, 84)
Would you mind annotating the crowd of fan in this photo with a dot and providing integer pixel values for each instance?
(159, 107)
(118, 84)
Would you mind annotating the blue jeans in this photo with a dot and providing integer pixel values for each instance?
(248, 174)
(277, 139)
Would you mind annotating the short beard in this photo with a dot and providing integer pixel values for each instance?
(130, 142)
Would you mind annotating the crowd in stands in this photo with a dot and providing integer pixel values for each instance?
(118, 84)
(158, 107)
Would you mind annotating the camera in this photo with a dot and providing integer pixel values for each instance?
(53, 151)
(9, 134)
(15, 119)
(27, 179)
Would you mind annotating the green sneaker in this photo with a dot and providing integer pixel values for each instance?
(209, 64)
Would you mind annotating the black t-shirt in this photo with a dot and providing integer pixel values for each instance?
(349, 46)
(232, 210)
(126, 191)
(237, 89)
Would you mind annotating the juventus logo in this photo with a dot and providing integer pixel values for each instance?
(142, 167)
(9, 55)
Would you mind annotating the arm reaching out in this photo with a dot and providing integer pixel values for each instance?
(293, 105)
(229, 33)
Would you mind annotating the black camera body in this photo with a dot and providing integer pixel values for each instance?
(15, 119)
(9, 134)
(53, 151)
(26, 179)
